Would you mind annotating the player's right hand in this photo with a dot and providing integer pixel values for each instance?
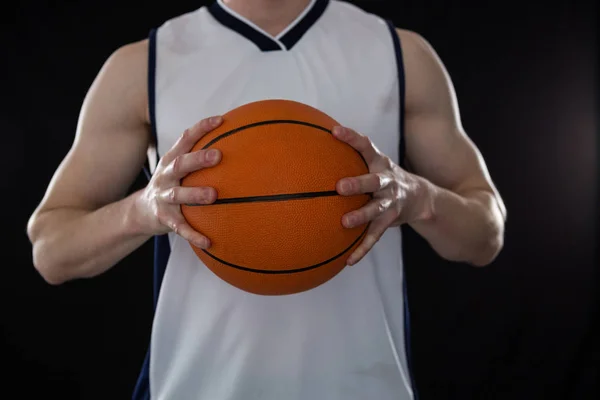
(159, 205)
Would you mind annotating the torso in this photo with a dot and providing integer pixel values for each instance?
(342, 340)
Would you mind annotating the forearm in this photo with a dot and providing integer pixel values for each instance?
(71, 243)
(466, 227)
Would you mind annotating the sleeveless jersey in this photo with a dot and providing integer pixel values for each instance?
(346, 339)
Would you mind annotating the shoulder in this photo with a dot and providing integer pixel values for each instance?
(125, 64)
(415, 48)
(426, 76)
(124, 76)
(129, 56)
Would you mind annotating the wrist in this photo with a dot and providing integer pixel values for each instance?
(422, 201)
(135, 215)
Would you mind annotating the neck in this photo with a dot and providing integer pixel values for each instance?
(272, 16)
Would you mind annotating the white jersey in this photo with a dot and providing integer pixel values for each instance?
(345, 339)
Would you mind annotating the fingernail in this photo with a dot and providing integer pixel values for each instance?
(338, 131)
(204, 243)
(212, 155)
(215, 120)
(345, 186)
(350, 261)
(208, 196)
(350, 221)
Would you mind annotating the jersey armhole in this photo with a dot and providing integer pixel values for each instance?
(402, 91)
(152, 97)
(402, 162)
(161, 243)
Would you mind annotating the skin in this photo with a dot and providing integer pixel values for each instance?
(84, 226)
(448, 196)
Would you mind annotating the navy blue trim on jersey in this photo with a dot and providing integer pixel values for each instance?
(294, 35)
(162, 251)
(162, 248)
(401, 87)
(142, 386)
(261, 40)
(401, 162)
(152, 84)
(151, 93)
(264, 42)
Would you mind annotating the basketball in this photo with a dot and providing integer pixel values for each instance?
(276, 226)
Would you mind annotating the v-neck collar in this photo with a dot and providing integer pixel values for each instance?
(265, 42)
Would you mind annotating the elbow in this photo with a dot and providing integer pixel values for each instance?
(52, 272)
(49, 270)
(492, 241)
(477, 252)
(488, 250)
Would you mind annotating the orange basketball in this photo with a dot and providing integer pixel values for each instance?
(276, 226)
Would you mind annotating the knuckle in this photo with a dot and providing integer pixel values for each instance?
(382, 205)
(393, 183)
(187, 134)
(172, 195)
(177, 164)
(383, 180)
(387, 162)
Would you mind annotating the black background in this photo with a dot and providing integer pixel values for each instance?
(526, 80)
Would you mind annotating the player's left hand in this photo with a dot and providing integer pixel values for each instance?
(398, 196)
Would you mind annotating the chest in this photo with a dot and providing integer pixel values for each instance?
(357, 87)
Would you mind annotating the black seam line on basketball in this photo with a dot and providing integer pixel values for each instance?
(274, 197)
(271, 122)
(289, 271)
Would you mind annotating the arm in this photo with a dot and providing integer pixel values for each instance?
(465, 215)
(448, 196)
(83, 225)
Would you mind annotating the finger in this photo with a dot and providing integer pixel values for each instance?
(186, 163)
(376, 229)
(183, 229)
(368, 183)
(369, 212)
(190, 136)
(189, 195)
(360, 143)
